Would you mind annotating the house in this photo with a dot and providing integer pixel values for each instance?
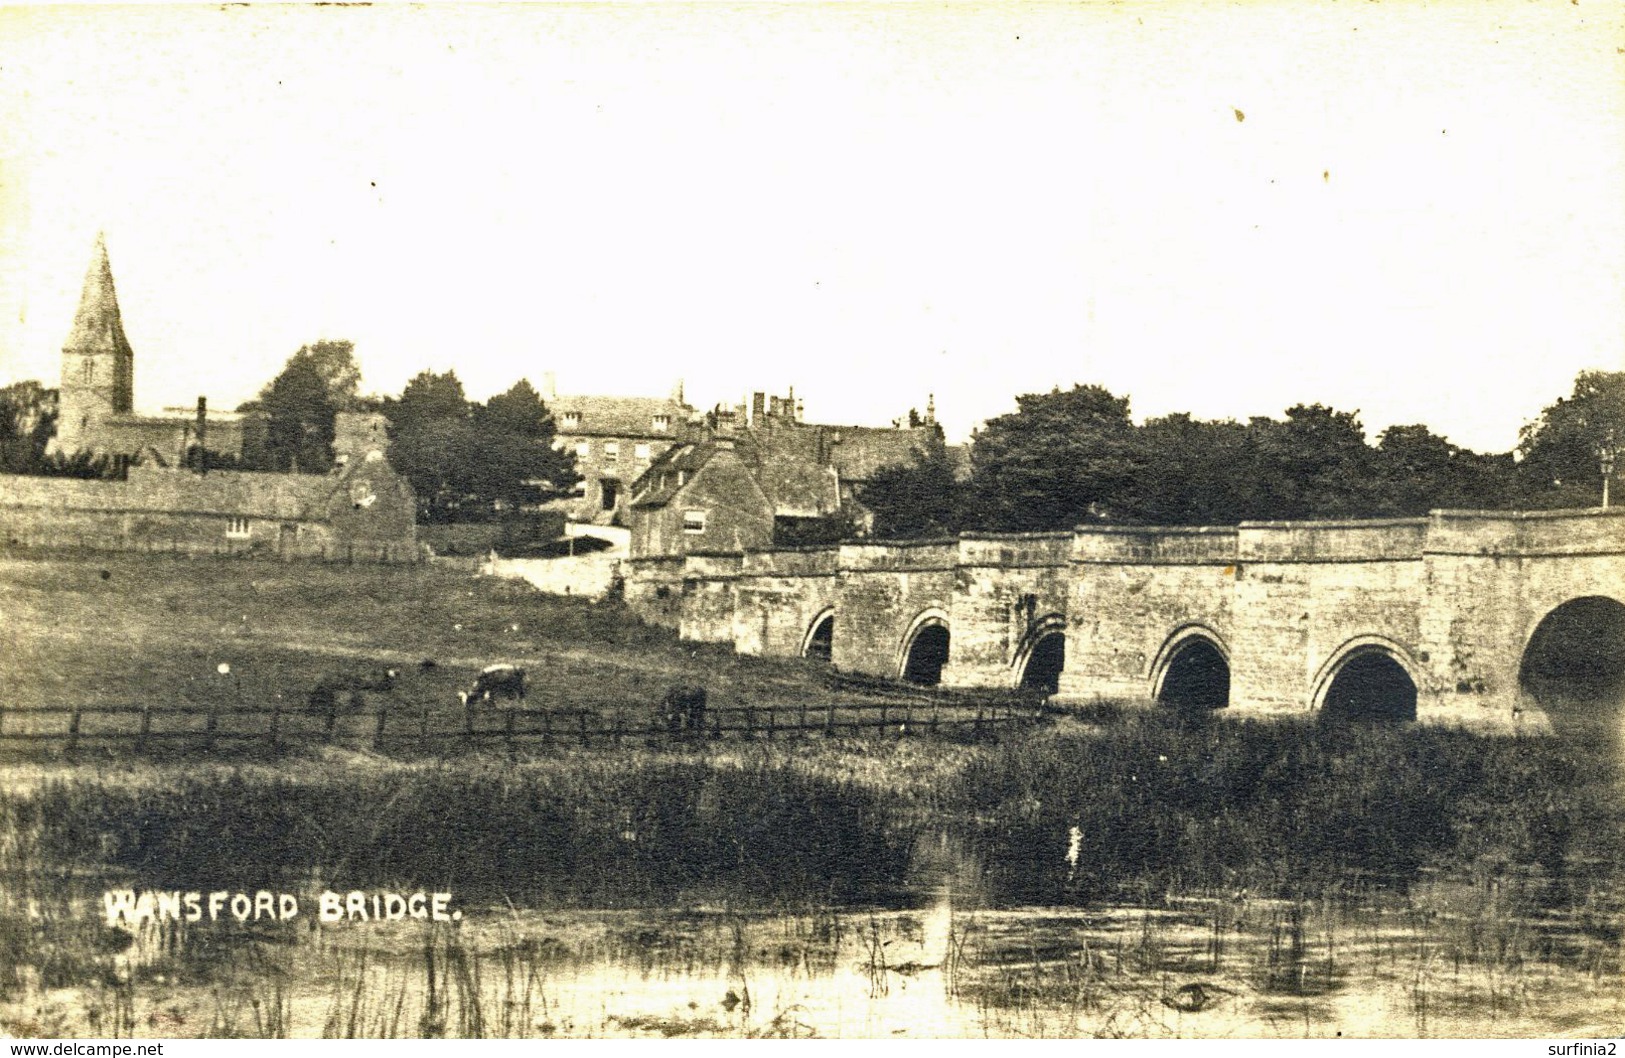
(615, 440)
(758, 477)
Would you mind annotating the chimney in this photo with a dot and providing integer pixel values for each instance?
(202, 435)
(550, 387)
(677, 393)
(758, 406)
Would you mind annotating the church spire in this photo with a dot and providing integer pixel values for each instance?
(97, 326)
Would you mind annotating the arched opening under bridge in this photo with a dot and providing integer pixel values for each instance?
(927, 653)
(1574, 666)
(1196, 676)
(1045, 661)
(820, 644)
(1367, 682)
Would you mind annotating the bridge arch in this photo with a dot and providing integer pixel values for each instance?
(1573, 665)
(1041, 657)
(924, 649)
(1369, 677)
(1192, 670)
(819, 642)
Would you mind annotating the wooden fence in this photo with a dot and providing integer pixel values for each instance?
(141, 727)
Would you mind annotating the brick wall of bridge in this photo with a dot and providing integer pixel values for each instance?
(778, 596)
(1009, 590)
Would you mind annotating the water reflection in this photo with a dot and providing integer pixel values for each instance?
(1452, 959)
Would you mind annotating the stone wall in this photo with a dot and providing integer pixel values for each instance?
(360, 516)
(1009, 591)
(885, 591)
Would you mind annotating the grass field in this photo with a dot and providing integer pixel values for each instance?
(155, 630)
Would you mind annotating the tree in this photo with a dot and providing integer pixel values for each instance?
(925, 498)
(1061, 459)
(299, 420)
(517, 463)
(28, 414)
(1418, 471)
(1560, 462)
(432, 441)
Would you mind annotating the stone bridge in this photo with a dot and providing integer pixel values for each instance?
(1482, 619)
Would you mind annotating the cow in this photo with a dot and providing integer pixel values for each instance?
(495, 682)
(324, 698)
(683, 710)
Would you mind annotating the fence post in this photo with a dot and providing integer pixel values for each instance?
(508, 721)
(829, 721)
(378, 735)
(582, 716)
(801, 721)
(547, 727)
(619, 723)
(716, 725)
(936, 709)
(883, 710)
(332, 719)
(750, 721)
(468, 718)
(211, 724)
(73, 732)
(976, 729)
(908, 718)
(772, 722)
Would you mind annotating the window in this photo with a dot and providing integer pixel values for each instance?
(693, 521)
(583, 449)
(612, 451)
(570, 420)
(682, 478)
(641, 453)
(237, 529)
(662, 423)
(609, 493)
(88, 371)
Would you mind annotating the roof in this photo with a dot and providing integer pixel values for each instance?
(97, 325)
(617, 416)
(859, 452)
(662, 477)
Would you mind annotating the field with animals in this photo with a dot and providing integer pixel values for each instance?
(314, 640)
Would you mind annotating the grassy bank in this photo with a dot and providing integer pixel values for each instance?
(1157, 806)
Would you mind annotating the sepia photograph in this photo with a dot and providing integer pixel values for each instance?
(876, 521)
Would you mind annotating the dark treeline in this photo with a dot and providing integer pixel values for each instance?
(1073, 457)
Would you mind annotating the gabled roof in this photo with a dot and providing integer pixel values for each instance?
(617, 416)
(670, 471)
(97, 325)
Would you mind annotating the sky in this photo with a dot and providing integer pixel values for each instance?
(1416, 211)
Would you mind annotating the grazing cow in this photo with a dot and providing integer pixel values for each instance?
(325, 696)
(683, 710)
(496, 682)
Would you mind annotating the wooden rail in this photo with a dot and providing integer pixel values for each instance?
(141, 726)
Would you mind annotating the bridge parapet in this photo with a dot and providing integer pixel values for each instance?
(793, 562)
(1015, 550)
(1149, 545)
(899, 556)
(1384, 540)
(1527, 533)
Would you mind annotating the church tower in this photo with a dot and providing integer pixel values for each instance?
(98, 366)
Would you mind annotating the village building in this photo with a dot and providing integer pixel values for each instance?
(757, 476)
(362, 511)
(614, 440)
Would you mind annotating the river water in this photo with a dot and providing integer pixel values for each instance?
(1447, 959)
